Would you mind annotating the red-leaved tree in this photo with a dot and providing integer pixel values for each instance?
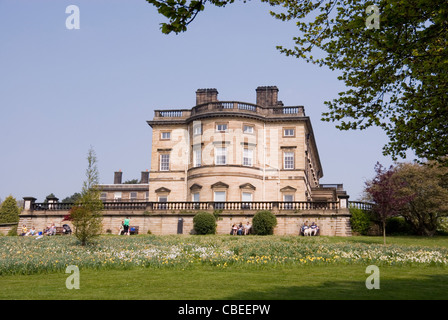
(385, 191)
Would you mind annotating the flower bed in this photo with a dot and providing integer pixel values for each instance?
(26, 255)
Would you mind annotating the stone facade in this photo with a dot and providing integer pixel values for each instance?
(235, 151)
(221, 156)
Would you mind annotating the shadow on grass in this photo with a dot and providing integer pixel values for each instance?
(431, 287)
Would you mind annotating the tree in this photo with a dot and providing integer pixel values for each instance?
(72, 199)
(385, 191)
(133, 181)
(9, 211)
(429, 193)
(86, 214)
(396, 76)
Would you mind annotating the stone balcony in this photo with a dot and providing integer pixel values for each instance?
(234, 108)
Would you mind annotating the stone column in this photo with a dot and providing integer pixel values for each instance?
(28, 203)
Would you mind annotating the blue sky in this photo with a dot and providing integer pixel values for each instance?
(62, 91)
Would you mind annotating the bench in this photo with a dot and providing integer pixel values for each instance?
(133, 230)
(60, 231)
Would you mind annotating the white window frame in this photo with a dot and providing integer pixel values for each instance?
(195, 197)
(220, 154)
(133, 195)
(197, 157)
(162, 202)
(287, 131)
(224, 127)
(248, 128)
(288, 205)
(197, 129)
(165, 135)
(248, 157)
(288, 160)
(165, 162)
(117, 196)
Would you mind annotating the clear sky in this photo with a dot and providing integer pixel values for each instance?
(62, 90)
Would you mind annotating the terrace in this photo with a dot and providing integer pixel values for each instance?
(232, 108)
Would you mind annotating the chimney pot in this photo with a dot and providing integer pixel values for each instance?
(145, 177)
(206, 95)
(117, 177)
(267, 96)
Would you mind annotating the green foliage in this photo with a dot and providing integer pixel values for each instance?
(9, 211)
(86, 215)
(204, 223)
(398, 226)
(72, 199)
(360, 220)
(133, 181)
(12, 232)
(427, 186)
(264, 223)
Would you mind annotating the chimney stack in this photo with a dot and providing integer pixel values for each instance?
(267, 96)
(206, 95)
(117, 177)
(145, 177)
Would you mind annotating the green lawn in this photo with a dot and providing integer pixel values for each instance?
(205, 283)
(189, 278)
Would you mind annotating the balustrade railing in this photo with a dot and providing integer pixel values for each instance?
(197, 206)
(361, 205)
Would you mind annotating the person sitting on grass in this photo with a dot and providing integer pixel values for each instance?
(24, 230)
(32, 232)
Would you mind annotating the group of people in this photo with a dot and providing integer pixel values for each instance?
(49, 230)
(240, 229)
(31, 232)
(311, 230)
(124, 227)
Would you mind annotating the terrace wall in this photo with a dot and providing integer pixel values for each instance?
(164, 219)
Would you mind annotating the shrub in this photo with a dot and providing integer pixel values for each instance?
(9, 211)
(204, 223)
(398, 225)
(12, 232)
(360, 221)
(264, 222)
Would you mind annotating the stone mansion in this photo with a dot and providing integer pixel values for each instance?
(235, 157)
(235, 151)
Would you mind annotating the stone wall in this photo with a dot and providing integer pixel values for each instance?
(6, 227)
(331, 222)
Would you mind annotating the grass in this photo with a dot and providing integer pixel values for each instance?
(221, 268)
(205, 283)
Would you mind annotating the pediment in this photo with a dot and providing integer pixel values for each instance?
(288, 189)
(163, 190)
(220, 185)
(196, 187)
(247, 186)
